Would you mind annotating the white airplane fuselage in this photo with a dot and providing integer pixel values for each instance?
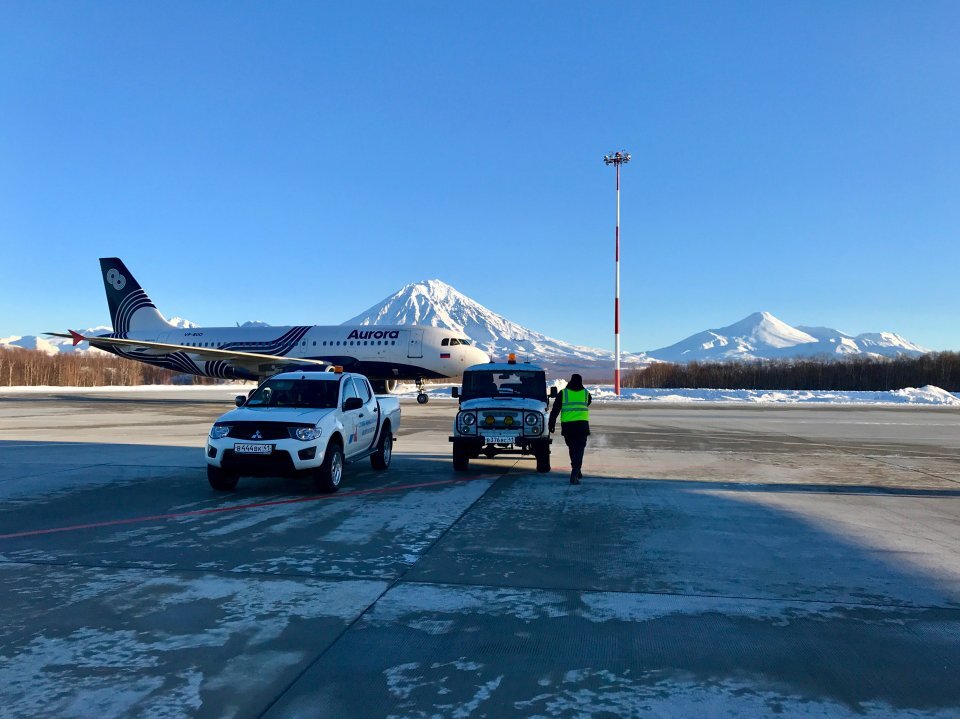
(379, 352)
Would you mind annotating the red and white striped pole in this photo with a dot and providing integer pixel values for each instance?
(617, 159)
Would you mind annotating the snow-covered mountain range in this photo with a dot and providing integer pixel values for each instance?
(758, 336)
(435, 303)
(763, 336)
(55, 345)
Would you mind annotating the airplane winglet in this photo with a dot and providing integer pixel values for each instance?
(77, 337)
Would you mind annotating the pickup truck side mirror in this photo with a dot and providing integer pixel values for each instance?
(352, 403)
(241, 400)
(553, 392)
(455, 392)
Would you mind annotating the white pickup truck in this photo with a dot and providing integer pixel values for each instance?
(303, 423)
(503, 410)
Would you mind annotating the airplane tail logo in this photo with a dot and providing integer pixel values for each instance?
(130, 307)
(116, 279)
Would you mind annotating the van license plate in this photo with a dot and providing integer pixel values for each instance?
(253, 448)
(498, 438)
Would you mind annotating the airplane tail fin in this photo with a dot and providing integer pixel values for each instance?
(130, 308)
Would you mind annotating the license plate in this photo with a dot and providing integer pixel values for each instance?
(253, 448)
(498, 438)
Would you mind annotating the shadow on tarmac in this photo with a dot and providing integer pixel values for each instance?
(648, 590)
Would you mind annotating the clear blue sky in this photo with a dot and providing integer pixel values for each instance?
(297, 162)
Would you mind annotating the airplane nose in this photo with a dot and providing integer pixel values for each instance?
(478, 356)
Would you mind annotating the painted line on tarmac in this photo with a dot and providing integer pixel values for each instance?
(241, 507)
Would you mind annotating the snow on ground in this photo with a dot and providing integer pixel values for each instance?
(227, 389)
(928, 396)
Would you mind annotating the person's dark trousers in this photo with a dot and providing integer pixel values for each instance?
(577, 445)
(575, 435)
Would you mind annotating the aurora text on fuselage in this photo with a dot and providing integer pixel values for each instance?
(374, 335)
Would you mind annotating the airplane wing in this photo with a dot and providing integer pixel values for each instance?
(258, 363)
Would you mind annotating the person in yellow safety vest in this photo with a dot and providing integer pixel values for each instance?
(572, 405)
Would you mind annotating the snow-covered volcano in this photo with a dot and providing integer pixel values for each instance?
(437, 304)
(763, 336)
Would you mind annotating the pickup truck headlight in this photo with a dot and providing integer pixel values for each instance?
(219, 431)
(305, 434)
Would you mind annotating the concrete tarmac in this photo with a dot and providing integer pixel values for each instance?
(717, 561)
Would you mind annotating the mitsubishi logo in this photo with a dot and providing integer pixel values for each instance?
(257, 435)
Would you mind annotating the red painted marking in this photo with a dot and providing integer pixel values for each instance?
(77, 338)
(237, 508)
(616, 385)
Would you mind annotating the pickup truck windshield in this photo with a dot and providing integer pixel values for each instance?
(515, 383)
(299, 393)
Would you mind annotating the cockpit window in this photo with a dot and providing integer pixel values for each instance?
(305, 394)
(445, 342)
(454, 341)
(515, 383)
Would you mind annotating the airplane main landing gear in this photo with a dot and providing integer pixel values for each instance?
(421, 396)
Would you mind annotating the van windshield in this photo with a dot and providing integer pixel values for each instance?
(514, 383)
(297, 393)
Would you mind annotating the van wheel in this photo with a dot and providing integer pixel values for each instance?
(381, 458)
(461, 458)
(220, 480)
(542, 454)
(328, 477)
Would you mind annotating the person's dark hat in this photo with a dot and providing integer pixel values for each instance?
(575, 383)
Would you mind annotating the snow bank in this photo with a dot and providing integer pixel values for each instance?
(927, 396)
(228, 389)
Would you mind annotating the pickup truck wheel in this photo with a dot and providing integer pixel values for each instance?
(542, 454)
(220, 480)
(381, 458)
(461, 458)
(330, 474)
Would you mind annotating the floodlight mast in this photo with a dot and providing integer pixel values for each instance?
(616, 159)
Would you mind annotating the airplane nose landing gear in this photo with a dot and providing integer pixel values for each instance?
(421, 396)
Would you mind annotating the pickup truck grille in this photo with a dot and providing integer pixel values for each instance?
(267, 430)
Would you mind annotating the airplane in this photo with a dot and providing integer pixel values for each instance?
(385, 354)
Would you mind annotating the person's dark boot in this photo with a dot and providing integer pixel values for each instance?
(574, 479)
